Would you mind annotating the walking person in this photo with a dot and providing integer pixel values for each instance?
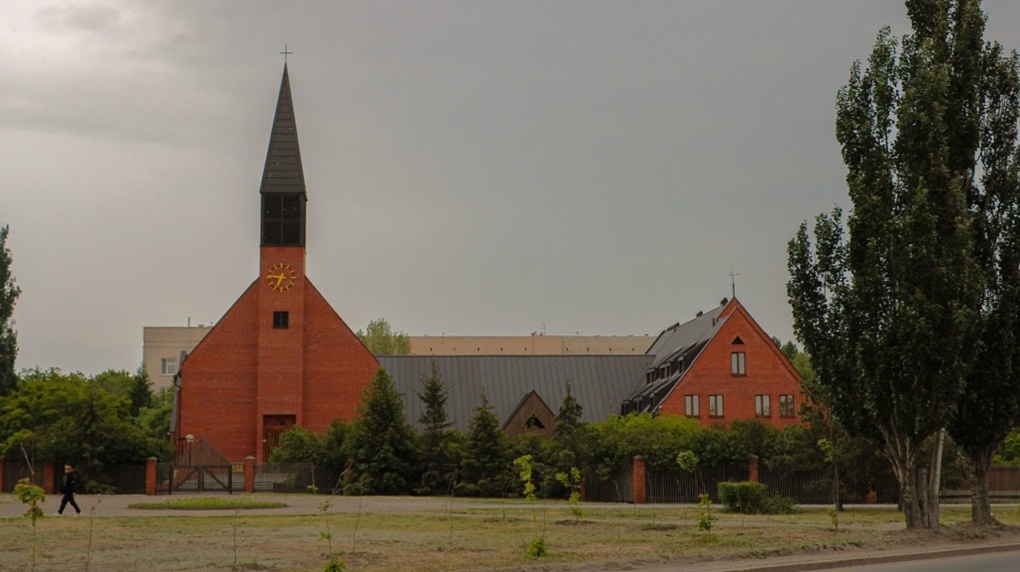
(67, 488)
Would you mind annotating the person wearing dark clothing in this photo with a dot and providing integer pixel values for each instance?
(67, 488)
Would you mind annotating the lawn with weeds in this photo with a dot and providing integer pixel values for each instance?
(485, 536)
(207, 503)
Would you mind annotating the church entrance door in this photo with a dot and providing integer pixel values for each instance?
(273, 426)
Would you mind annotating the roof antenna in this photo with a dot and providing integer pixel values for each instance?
(733, 281)
(285, 53)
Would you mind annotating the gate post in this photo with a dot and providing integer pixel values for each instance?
(48, 476)
(752, 468)
(249, 474)
(150, 475)
(639, 480)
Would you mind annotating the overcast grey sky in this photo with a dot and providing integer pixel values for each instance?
(473, 168)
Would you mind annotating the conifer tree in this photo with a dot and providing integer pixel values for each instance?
(486, 463)
(438, 442)
(381, 446)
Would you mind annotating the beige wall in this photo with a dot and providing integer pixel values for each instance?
(529, 345)
(167, 343)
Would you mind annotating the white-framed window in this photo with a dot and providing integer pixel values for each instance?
(692, 405)
(168, 366)
(737, 363)
(715, 406)
(762, 406)
(786, 405)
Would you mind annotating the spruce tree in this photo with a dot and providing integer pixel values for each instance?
(438, 442)
(381, 446)
(486, 463)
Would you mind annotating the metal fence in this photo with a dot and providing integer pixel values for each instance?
(1003, 486)
(679, 486)
(296, 478)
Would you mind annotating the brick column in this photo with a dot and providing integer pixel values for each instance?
(639, 480)
(872, 497)
(752, 468)
(249, 474)
(150, 475)
(48, 475)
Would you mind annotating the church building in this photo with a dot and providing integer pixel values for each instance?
(280, 356)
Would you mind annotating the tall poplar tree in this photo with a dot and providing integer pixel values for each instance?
(893, 316)
(9, 293)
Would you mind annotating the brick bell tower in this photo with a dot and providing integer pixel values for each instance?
(281, 356)
(281, 305)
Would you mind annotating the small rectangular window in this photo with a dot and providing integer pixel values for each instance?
(786, 406)
(762, 406)
(281, 320)
(692, 405)
(715, 406)
(737, 363)
(168, 366)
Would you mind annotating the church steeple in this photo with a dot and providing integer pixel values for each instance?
(283, 180)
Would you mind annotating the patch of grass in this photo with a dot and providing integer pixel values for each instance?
(206, 503)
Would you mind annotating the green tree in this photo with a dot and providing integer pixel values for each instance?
(137, 387)
(381, 446)
(890, 316)
(571, 439)
(381, 340)
(487, 455)
(9, 293)
(440, 446)
(298, 445)
(67, 418)
(989, 409)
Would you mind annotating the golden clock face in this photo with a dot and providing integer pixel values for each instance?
(281, 277)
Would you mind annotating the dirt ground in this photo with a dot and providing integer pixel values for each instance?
(147, 541)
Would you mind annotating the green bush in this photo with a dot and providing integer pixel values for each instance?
(752, 498)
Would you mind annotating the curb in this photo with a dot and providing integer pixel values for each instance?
(875, 559)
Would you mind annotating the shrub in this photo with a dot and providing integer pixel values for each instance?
(752, 498)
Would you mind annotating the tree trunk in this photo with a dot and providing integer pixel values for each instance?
(934, 481)
(980, 506)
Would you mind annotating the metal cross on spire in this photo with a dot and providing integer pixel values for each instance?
(733, 282)
(285, 53)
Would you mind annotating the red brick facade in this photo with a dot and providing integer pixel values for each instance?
(248, 381)
(766, 373)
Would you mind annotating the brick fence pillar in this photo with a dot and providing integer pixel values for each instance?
(48, 475)
(150, 475)
(639, 480)
(752, 468)
(249, 474)
(872, 497)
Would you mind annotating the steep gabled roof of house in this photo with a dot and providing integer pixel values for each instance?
(599, 383)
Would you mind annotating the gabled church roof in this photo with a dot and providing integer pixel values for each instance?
(598, 382)
(283, 172)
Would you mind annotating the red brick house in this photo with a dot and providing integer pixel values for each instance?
(280, 356)
(719, 367)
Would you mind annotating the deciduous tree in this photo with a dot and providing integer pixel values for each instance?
(9, 293)
(381, 340)
(891, 315)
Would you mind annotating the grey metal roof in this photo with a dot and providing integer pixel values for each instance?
(680, 338)
(283, 172)
(600, 383)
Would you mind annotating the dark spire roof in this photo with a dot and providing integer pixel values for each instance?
(283, 173)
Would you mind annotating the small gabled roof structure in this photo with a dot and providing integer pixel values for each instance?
(531, 414)
(599, 383)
